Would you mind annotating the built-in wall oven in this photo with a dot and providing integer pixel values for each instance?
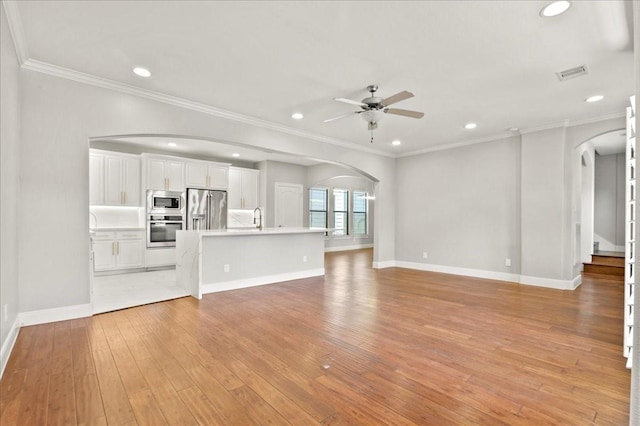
(165, 216)
(161, 230)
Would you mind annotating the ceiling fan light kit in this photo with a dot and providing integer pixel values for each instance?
(374, 108)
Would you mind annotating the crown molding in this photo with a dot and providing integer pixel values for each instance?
(89, 79)
(573, 123)
(460, 144)
(564, 124)
(15, 28)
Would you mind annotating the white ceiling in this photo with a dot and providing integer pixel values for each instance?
(490, 62)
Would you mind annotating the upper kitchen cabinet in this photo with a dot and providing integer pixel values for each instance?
(114, 179)
(164, 173)
(243, 188)
(205, 174)
(96, 179)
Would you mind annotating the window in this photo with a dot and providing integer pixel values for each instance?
(318, 206)
(340, 212)
(359, 213)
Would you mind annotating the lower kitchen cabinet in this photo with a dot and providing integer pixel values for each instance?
(114, 250)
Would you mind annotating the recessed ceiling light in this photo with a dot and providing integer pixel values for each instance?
(396, 142)
(235, 154)
(555, 8)
(513, 129)
(470, 126)
(172, 144)
(142, 72)
(594, 98)
(297, 116)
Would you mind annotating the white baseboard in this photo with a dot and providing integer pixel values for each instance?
(492, 275)
(477, 273)
(7, 345)
(345, 248)
(551, 283)
(252, 282)
(55, 314)
(384, 264)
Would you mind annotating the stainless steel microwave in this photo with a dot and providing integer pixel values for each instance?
(165, 202)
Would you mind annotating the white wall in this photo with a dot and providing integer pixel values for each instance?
(59, 117)
(461, 206)
(9, 187)
(543, 199)
(276, 171)
(583, 201)
(609, 201)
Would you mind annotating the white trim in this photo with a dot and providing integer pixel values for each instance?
(507, 135)
(460, 144)
(572, 123)
(15, 28)
(551, 283)
(7, 345)
(55, 314)
(80, 77)
(384, 264)
(477, 273)
(252, 282)
(345, 248)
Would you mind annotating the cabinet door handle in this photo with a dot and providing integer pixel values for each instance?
(113, 248)
(124, 196)
(208, 180)
(118, 248)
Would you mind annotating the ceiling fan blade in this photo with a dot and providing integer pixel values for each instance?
(404, 112)
(401, 96)
(341, 116)
(372, 126)
(350, 101)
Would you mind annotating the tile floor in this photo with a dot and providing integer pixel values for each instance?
(113, 292)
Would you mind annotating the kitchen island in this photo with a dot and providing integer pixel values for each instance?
(212, 261)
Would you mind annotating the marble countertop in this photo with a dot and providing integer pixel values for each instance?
(255, 231)
(120, 228)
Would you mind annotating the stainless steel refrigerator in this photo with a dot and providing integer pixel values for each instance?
(206, 209)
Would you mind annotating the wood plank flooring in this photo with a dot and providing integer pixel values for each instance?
(358, 346)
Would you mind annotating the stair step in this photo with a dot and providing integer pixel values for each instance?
(593, 268)
(607, 260)
(602, 277)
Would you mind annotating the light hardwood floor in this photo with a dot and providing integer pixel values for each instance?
(359, 346)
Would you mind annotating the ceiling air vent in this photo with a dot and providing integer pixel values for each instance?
(572, 73)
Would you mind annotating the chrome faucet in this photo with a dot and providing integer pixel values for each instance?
(259, 220)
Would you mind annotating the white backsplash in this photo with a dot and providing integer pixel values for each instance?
(116, 217)
(240, 219)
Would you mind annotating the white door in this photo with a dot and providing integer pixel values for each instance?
(288, 205)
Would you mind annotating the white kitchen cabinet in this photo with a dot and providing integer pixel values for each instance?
(96, 179)
(114, 179)
(115, 250)
(243, 188)
(122, 180)
(161, 256)
(164, 173)
(205, 174)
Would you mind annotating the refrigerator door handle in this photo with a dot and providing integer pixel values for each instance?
(208, 225)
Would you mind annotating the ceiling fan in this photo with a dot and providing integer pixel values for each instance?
(374, 108)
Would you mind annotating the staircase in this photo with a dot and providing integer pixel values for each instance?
(606, 264)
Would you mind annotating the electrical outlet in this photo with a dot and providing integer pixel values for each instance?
(507, 262)
(226, 267)
(304, 258)
(425, 255)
